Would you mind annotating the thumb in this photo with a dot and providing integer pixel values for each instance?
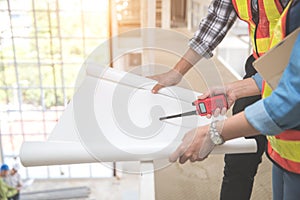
(204, 95)
(156, 88)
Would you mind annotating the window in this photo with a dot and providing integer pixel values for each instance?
(43, 45)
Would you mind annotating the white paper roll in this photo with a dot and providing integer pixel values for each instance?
(60, 153)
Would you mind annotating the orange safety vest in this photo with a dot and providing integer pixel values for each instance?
(283, 149)
(269, 11)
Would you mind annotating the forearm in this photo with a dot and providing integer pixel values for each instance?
(243, 88)
(189, 59)
(260, 118)
(236, 126)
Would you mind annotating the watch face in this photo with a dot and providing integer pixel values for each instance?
(219, 140)
(216, 139)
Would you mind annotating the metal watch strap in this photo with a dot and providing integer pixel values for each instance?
(215, 136)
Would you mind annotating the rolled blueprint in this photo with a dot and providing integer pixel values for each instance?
(113, 116)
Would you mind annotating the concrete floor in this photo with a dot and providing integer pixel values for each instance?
(203, 180)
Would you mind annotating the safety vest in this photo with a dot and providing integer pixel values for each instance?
(269, 11)
(283, 149)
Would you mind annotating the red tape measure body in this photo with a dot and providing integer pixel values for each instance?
(209, 105)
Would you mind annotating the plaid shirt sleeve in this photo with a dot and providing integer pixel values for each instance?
(213, 28)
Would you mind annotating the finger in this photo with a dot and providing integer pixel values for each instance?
(194, 158)
(156, 88)
(224, 110)
(217, 112)
(184, 157)
(204, 95)
(208, 116)
(176, 154)
(173, 158)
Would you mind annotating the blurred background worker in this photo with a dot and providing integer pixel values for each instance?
(6, 192)
(14, 180)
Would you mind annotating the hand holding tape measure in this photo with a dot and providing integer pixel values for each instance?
(204, 107)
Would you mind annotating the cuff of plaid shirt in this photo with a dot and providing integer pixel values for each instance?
(201, 48)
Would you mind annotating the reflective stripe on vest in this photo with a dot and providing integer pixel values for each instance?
(288, 149)
(288, 165)
(260, 34)
(284, 149)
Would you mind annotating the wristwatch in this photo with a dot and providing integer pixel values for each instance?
(215, 136)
